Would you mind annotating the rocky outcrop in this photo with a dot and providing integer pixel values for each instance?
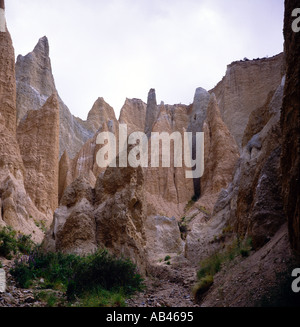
(133, 114)
(290, 127)
(261, 280)
(74, 227)
(100, 114)
(168, 190)
(17, 209)
(35, 84)
(252, 204)
(84, 163)
(121, 212)
(259, 203)
(246, 87)
(111, 215)
(38, 137)
(7, 82)
(221, 155)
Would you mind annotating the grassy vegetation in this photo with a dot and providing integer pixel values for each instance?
(210, 266)
(12, 243)
(98, 279)
(202, 286)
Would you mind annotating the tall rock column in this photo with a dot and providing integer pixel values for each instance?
(197, 119)
(38, 137)
(7, 75)
(290, 126)
(2, 17)
(17, 209)
(152, 112)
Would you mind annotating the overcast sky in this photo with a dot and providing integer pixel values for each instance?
(121, 48)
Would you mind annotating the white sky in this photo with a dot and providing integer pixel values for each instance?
(122, 48)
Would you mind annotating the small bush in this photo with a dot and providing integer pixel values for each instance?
(8, 243)
(210, 266)
(167, 258)
(12, 243)
(203, 285)
(104, 270)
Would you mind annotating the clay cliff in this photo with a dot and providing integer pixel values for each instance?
(290, 127)
(17, 208)
(247, 85)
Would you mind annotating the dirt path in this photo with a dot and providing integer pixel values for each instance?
(171, 287)
(167, 287)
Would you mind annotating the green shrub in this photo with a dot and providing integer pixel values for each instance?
(167, 258)
(77, 275)
(8, 243)
(106, 271)
(210, 266)
(12, 243)
(25, 244)
(203, 285)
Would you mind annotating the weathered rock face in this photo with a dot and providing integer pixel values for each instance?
(221, 155)
(7, 82)
(133, 114)
(38, 137)
(242, 193)
(290, 126)
(120, 213)
(85, 160)
(167, 189)
(246, 87)
(74, 227)
(65, 174)
(163, 238)
(84, 163)
(252, 203)
(17, 209)
(257, 281)
(111, 215)
(100, 114)
(259, 203)
(35, 84)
